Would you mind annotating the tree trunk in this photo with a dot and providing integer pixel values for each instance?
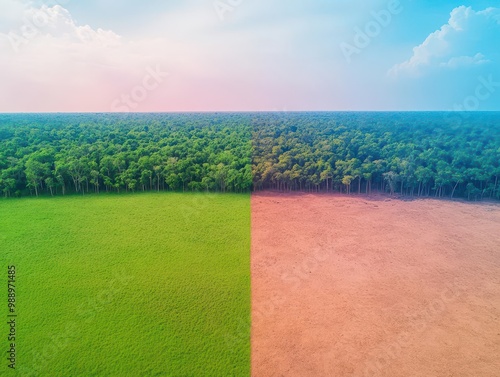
(453, 191)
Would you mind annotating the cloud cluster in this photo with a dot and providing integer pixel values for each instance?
(466, 40)
(52, 62)
(249, 61)
(60, 24)
(260, 56)
(54, 23)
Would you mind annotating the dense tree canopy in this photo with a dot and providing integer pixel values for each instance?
(414, 154)
(82, 153)
(417, 154)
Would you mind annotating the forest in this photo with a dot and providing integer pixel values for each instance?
(82, 153)
(406, 153)
(418, 154)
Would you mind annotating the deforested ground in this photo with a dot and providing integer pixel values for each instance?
(357, 286)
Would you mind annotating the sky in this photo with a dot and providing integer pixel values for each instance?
(249, 55)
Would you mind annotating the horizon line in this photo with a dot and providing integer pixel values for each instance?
(249, 111)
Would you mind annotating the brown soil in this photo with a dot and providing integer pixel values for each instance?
(356, 286)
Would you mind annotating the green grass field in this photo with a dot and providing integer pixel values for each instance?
(154, 284)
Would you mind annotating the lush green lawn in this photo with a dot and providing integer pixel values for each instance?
(154, 284)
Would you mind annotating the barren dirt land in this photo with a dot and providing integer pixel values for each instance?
(357, 286)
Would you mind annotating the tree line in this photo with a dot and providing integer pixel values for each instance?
(57, 154)
(411, 154)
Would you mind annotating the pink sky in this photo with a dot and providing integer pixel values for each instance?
(256, 56)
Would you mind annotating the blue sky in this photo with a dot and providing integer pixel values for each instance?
(230, 55)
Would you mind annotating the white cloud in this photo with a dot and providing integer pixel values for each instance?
(61, 64)
(469, 38)
(464, 61)
(50, 62)
(55, 23)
